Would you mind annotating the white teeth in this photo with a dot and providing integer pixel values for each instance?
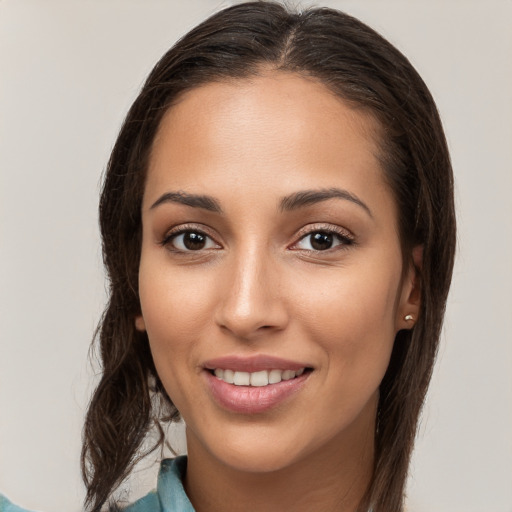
(229, 376)
(274, 376)
(242, 379)
(257, 379)
(288, 374)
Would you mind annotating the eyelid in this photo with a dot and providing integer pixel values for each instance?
(345, 234)
(308, 230)
(174, 232)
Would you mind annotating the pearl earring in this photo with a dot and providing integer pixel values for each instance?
(408, 318)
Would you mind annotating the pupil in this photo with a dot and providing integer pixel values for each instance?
(194, 241)
(321, 241)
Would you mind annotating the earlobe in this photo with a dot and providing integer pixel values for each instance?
(410, 302)
(140, 325)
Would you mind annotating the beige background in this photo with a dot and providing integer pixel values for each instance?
(68, 72)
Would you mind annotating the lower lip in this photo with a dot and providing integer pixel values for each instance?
(253, 399)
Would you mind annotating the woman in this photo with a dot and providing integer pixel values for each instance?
(278, 230)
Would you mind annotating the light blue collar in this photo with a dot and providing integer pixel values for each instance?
(170, 486)
(169, 495)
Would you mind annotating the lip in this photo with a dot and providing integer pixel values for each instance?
(249, 399)
(254, 363)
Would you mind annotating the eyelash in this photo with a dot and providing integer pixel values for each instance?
(173, 234)
(343, 236)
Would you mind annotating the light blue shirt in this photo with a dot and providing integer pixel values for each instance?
(169, 495)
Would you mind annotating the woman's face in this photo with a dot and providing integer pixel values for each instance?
(271, 278)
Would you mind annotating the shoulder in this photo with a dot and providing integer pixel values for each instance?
(169, 496)
(149, 503)
(7, 506)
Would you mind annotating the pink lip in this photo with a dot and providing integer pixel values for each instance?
(249, 399)
(253, 363)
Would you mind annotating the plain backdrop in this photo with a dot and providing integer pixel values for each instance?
(69, 70)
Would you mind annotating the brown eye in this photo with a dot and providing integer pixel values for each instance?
(191, 241)
(194, 241)
(323, 241)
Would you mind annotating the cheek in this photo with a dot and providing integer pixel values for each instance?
(352, 316)
(174, 304)
(173, 315)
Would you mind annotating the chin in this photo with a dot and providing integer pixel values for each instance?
(256, 448)
(257, 461)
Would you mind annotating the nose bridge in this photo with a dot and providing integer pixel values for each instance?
(251, 300)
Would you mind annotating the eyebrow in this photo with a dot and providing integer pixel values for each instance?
(309, 197)
(291, 202)
(193, 200)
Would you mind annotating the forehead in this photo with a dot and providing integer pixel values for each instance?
(255, 129)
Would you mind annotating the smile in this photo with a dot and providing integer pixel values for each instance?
(257, 379)
(256, 392)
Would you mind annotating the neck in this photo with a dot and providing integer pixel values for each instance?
(333, 478)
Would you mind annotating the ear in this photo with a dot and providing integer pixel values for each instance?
(140, 325)
(410, 297)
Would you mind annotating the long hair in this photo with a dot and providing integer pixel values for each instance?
(362, 68)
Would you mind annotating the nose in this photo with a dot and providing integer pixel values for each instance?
(251, 297)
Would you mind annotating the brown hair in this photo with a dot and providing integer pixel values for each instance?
(359, 66)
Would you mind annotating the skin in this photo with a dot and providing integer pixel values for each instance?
(258, 287)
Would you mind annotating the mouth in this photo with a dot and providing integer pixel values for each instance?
(260, 378)
(256, 384)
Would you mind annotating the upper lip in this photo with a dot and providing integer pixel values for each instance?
(253, 363)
